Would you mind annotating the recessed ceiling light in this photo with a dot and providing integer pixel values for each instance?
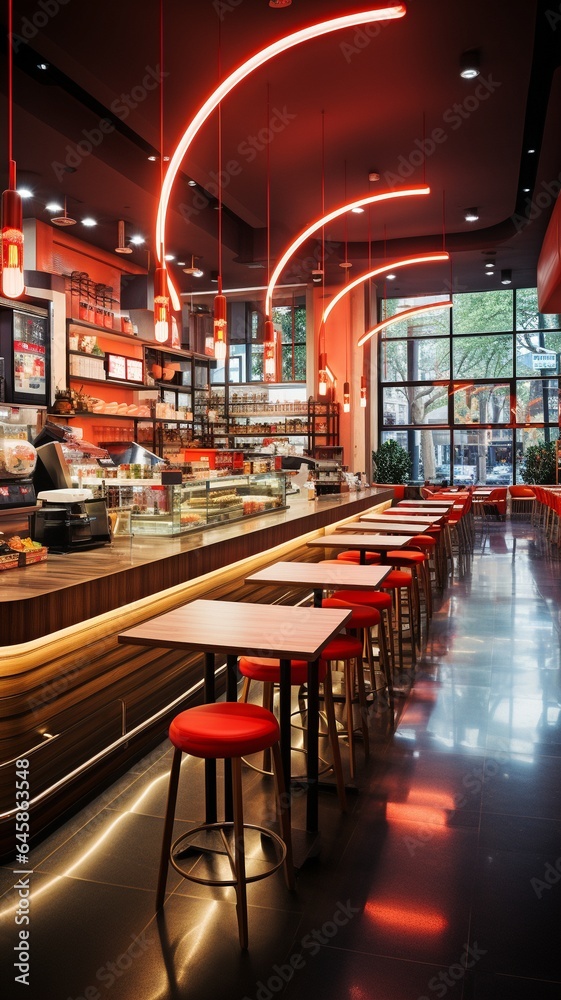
(169, 256)
(345, 264)
(506, 276)
(358, 210)
(280, 3)
(391, 277)
(531, 151)
(526, 190)
(490, 273)
(469, 64)
(192, 183)
(88, 221)
(42, 65)
(25, 192)
(374, 175)
(490, 264)
(53, 206)
(471, 215)
(181, 263)
(152, 158)
(137, 240)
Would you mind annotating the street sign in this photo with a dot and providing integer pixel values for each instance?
(546, 362)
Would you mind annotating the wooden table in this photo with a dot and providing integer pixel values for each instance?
(394, 527)
(364, 543)
(402, 517)
(233, 629)
(343, 576)
(427, 504)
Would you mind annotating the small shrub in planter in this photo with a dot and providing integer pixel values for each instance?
(391, 463)
(539, 464)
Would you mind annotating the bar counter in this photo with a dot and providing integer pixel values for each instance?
(78, 705)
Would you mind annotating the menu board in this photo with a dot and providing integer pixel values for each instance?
(124, 369)
(30, 333)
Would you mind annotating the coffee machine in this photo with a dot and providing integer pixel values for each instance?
(70, 520)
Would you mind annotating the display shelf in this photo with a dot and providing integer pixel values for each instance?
(110, 381)
(133, 339)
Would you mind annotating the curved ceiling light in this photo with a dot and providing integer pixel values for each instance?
(426, 258)
(369, 200)
(406, 314)
(289, 41)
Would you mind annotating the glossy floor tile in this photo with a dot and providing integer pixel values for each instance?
(443, 878)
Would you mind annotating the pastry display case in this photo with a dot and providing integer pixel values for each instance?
(157, 509)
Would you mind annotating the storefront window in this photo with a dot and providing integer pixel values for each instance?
(501, 387)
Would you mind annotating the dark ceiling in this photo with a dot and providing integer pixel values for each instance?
(380, 92)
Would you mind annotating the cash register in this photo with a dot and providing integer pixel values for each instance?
(70, 520)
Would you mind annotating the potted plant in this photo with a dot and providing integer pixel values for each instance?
(539, 464)
(391, 463)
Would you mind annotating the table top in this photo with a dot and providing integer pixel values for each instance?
(340, 540)
(399, 528)
(232, 627)
(431, 504)
(402, 517)
(420, 514)
(343, 576)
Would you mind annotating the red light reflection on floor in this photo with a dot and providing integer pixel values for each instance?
(418, 920)
(410, 812)
(431, 795)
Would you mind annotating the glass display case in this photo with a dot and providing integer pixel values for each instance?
(153, 509)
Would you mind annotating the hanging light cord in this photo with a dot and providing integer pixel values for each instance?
(322, 328)
(11, 164)
(268, 192)
(162, 248)
(219, 164)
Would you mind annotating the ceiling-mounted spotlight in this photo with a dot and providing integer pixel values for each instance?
(506, 276)
(471, 215)
(317, 275)
(121, 245)
(469, 64)
(64, 219)
(194, 269)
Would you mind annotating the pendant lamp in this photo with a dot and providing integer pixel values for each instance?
(346, 398)
(161, 306)
(12, 239)
(12, 212)
(363, 391)
(269, 353)
(220, 324)
(322, 374)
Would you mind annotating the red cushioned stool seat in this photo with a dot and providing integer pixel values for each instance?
(226, 730)
(223, 730)
(363, 620)
(353, 555)
(266, 670)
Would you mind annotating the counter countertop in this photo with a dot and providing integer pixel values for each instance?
(75, 586)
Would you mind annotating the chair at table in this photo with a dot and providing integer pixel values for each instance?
(266, 670)
(226, 730)
(522, 501)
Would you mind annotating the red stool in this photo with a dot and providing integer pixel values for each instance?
(226, 730)
(416, 562)
(266, 670)
(353, 556)
(361, 623)
(397, 582)
(348, 650)
(381, 602)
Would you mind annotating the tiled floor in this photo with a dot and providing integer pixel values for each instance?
(444, 879)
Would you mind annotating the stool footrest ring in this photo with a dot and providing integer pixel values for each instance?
(182, 843)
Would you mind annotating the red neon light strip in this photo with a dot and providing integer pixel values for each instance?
(421, 259)
(403, 315)
(289, 41)
(306, 233)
